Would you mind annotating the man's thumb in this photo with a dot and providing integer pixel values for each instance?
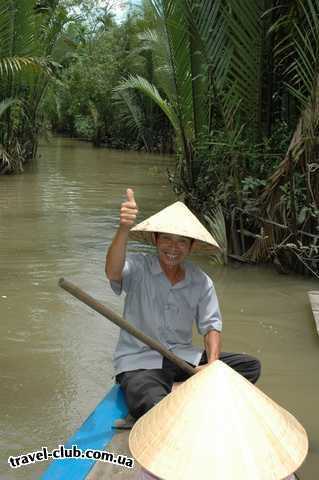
(130, 195)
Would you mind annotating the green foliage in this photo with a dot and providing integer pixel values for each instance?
(225, 84)
(84, 127)
(106, 51)
(216, 224)
(231, 85)
(29, 32)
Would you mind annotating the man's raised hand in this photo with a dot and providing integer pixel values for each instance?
(129, 210)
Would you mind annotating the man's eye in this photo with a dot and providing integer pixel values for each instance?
(183, 242)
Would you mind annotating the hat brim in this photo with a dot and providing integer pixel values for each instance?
(176, 219)
(198, 246)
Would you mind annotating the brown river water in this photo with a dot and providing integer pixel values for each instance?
(57, 219)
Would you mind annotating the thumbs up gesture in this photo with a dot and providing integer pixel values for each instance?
(129, 210)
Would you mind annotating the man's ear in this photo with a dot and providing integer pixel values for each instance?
(153, 238)
(191, 248)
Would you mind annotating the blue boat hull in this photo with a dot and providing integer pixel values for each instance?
(95, 433)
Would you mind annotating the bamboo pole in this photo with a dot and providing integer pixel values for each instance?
(120, 322)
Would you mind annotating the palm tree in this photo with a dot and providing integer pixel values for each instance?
(197, 60)
(298, 171)
(225, 72)
(29, 30)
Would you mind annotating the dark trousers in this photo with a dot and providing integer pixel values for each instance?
(145, 388)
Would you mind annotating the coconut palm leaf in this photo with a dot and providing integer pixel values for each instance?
(182, 75)
(217, 227)
(132, 114)
(25, 69)
(144, 86)
(303, 82)
(301, 45)
(155, 40)
(173, 23)
(16, 36)
(16, 28)
(7, 103)
(304, 70)
(210, 46)
(245, 30)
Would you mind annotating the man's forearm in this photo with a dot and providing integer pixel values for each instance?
(115, 257)
(212, 341)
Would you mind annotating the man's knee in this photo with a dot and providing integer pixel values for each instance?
(143, 389)
(254, 370)
(248, 366)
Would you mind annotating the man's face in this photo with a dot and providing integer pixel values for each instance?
(172, 249)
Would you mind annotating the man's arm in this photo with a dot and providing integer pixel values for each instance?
(212, 341)
(115, 258)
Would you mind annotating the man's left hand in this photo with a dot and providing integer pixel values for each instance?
(201, 367)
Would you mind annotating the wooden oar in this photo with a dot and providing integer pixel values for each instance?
(120, 322)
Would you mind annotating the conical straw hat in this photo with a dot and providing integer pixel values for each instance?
(176, 219)
(218, 426)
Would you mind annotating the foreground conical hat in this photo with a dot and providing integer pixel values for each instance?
(176, 219)
(218, 426)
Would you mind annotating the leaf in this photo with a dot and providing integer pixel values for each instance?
(302, 215)
(217, 227)
(143, 85)
(7, 103)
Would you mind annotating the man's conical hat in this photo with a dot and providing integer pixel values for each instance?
(176, 219)
(217, 425)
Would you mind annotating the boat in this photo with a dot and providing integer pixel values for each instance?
(314, 301)
(98, 433)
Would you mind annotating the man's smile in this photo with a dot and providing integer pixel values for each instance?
(171, 258)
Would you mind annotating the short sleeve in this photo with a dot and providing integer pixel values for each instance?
(208, 313)
(133, 267)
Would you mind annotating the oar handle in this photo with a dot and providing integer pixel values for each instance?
(120, 322)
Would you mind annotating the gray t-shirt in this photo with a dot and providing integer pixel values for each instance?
(163, 311)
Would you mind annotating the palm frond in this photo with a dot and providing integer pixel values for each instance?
(15, 64)
(299, 44)
(304, 69)
(17, 28)
(17, 40)
(7, 103)
(150, 37)
(131, 115)
(144, 86)
(244, 25)
(155, 41)
(217, 227)
(212, 48)
(172, 19)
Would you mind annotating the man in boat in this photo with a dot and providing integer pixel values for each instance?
(165, 296)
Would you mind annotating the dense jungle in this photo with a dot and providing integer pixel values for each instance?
(228, 87)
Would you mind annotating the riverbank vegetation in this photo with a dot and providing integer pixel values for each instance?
(230, 87)
(30, 32)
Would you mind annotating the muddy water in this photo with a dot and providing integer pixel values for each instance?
(55, 356)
